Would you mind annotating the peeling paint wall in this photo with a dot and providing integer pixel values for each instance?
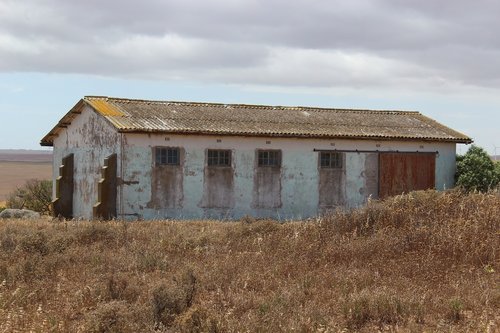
(91, 139)
(218, 187)
(166, 185)
(266, 184)
(299, 188)
(332, 186)
(351, 185)
(361, 178)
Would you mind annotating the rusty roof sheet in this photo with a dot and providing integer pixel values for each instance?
(128, 115)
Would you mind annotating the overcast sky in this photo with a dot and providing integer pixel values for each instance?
(438, 57)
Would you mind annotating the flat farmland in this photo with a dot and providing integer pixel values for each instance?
(16, 167)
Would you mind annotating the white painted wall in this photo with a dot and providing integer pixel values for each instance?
(91, 139)
(299, 172)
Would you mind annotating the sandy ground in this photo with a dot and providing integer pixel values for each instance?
(15, 174)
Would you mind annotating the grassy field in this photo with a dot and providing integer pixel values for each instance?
(15, 174)
(422, 262)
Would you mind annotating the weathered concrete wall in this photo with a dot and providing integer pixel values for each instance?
(91, 139)
(351, 185)
(166, 184)
(361, 178)
(218, 187)
(266, 184)
(267, 188)
(332, 186)
(298, 189)
(446, 166)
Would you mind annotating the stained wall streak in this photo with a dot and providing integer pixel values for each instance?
(167, 191)
(266, 185)
(267, 188)
(229, 193)
(90, 138)
(371, 171)
(218, 187)
(332, 186)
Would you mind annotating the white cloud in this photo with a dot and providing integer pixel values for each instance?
(411, 44)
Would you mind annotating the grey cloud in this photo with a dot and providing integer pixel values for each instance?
(275, 42)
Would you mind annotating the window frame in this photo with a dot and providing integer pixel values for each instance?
(267, 164)
(164, 156)
(219, 158)
(332, 163)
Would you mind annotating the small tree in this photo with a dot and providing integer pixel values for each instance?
(476, 170)
(34, 194)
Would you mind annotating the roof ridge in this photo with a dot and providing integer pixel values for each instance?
(259, 106)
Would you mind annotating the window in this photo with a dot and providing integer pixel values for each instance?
(331, 160)
(269, 158)
(167, 156)
(219, 157)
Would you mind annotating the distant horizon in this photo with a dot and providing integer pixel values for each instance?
(44, 150)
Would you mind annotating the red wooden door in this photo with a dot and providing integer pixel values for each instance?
(405, 172)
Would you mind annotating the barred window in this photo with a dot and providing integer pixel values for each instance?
(218, 157)
(269, 158)
(167, 156)
(331, 160)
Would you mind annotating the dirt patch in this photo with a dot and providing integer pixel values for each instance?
(15, 174)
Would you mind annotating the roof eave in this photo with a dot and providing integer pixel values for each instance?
(48, 139)
(285, 135)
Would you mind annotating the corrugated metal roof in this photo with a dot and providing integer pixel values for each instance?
(128, 115)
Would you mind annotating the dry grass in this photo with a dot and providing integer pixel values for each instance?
(423, 262)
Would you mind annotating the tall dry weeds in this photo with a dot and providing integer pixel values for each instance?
(425, 261)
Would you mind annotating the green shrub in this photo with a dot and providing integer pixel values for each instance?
(34, 195)
(476, 171)
(455, 310)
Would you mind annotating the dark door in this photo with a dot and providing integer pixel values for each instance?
(405, 172)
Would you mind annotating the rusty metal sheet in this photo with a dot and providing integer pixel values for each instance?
(405, 172)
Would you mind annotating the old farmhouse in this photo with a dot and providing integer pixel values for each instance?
(139, 159)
